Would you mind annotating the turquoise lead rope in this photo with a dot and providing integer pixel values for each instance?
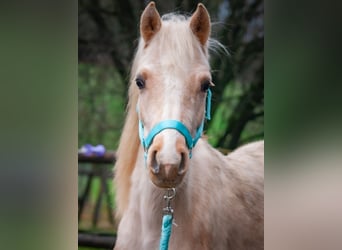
(165, 232)
(167, 220)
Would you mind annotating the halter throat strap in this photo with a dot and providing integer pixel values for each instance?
(177, 125)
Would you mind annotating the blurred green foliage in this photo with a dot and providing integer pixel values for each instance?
(218, 126)
(101, 105)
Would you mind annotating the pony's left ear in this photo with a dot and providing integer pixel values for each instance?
(150, 22)
(200, 24)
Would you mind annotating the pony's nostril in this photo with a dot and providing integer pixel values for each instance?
(154, 163)
(181, 168)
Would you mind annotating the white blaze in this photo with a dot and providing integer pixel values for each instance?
(171, 111)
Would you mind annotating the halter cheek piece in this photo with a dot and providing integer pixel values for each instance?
(177, 125)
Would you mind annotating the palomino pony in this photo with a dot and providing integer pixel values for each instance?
(219, 199)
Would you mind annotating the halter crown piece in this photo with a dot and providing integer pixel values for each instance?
(177, 125)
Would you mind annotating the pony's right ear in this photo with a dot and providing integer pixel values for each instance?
(150, 22)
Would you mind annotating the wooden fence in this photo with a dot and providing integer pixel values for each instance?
(99, 168)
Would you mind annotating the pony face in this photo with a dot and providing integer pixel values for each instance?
(172, 76)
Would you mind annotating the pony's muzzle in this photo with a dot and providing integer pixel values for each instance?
(168, 172)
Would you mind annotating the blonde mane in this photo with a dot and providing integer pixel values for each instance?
(127, 151)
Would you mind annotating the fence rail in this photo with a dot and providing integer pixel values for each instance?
(86, 239)
(107, 158)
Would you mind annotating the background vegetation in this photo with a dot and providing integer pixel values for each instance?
(108, 32)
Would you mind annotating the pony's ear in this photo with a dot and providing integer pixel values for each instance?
(150, 22)
(200, 24)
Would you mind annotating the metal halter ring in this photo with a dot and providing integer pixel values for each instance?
(170, 194)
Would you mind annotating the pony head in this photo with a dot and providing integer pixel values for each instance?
(171, 75)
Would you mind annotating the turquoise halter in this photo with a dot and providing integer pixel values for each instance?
(190, 142)
(177, 125)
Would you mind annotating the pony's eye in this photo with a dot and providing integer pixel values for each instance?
(205, 85)
(140, 83)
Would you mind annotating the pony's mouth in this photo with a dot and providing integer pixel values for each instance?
(162, 180)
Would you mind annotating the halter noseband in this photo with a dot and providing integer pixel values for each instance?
(177, 125)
